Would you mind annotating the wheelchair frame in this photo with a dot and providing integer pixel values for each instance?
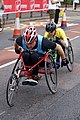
(20, 70)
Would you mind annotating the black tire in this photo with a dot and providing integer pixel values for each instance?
(2, 24)
(51, 74)
(12, 85)
(70, 56)
(11, 90)
(17, 66)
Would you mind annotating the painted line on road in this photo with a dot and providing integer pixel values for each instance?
(12, 50)
(75, 38)
(12, 62)
(75, 31)
(7, 64)
(2, 113)
(9, 47)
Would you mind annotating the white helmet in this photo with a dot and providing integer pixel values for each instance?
(30, 34)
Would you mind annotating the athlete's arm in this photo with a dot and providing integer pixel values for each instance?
(63, 38)
(46, 35)
(47, 44)
(17, 45)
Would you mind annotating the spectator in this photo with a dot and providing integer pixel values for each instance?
(75, 2)
(1, 5)
(53, 11)
(1, 12)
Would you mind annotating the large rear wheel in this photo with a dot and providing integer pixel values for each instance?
(70, 56)
(51, 74)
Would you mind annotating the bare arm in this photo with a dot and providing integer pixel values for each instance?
(64, 42)
(60, 51)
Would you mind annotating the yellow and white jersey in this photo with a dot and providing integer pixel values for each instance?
(59, 33)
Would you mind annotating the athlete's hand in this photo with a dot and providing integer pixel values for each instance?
(18, 50)
(58, 39)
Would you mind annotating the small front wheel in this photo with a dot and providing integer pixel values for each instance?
(51, 74)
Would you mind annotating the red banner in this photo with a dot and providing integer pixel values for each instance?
(13, 6)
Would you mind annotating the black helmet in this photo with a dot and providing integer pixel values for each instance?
(50, 27)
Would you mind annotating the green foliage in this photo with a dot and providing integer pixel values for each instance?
(68, 2)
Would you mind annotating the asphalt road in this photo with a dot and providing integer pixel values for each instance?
(37, 103)
(32, 103)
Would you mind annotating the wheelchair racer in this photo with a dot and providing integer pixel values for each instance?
(59, 37)
(30, 40)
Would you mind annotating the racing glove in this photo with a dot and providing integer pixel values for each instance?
(18, 50)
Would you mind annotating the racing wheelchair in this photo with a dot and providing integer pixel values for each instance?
(49, 71)
(68, 53)
(20, 70)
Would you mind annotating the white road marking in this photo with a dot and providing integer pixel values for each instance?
(68, 24)
(12, 50)
(7, 64)
(71, 24)
(9, 47)
(2, 113)
(75, 38)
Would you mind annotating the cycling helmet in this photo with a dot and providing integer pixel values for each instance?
(50, 27)
(30, 35)
(32, 28)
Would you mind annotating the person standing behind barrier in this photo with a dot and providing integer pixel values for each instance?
(75, 2)
(53, 11)
(57, 11)
(1, 5)
(1, 12)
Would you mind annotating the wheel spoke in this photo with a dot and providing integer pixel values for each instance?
(10, 96)
(51, 74)
(13, 83)
(70, 56)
